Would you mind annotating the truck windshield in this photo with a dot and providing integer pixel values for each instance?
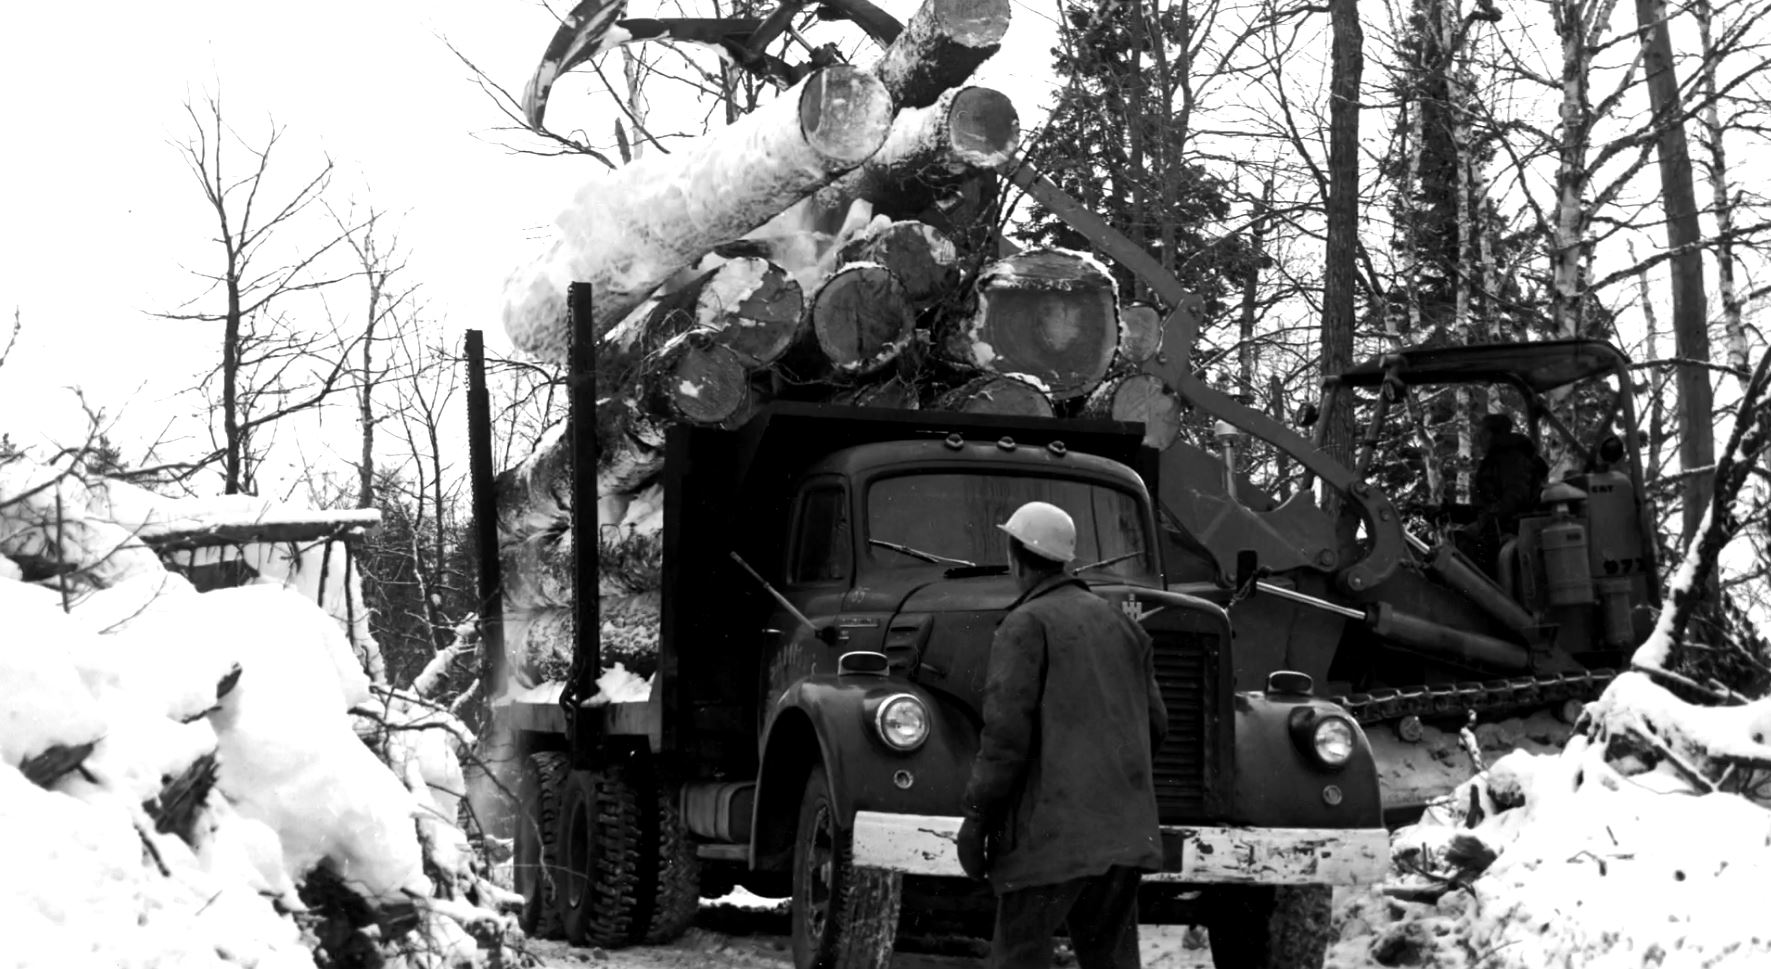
(953, 517)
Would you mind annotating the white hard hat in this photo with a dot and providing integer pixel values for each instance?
(1046, 530)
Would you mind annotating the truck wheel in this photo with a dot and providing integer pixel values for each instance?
(599, 844)
(1285, 927)
(678, 894)
(843, 917)
(535, 867)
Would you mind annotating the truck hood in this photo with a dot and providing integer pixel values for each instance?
(985, 593)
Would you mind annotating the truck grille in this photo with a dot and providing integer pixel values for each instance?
(1186, 674)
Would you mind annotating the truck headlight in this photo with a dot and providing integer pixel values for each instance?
(1332, 740)
(902, 722)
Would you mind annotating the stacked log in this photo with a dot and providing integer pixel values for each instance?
(818, 250)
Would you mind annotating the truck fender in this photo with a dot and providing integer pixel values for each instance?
(827, 718)
(1290, 788)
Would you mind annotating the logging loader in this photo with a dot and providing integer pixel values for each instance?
(832, 579)
(1408, 632)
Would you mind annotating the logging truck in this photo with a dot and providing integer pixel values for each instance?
(831, 585)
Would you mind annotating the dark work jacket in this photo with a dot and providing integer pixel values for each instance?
(1509, 479)
(1063, 779)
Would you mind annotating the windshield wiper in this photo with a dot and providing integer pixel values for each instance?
(919, 553)
(1117, 558)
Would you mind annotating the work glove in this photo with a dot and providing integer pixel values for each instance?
(974, 851)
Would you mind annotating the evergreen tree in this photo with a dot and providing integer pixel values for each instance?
(1117, 141)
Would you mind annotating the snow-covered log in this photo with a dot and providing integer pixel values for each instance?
(1139, 397)
(540, 641)
(966, 131)
(941, 46)
(995, 395)
(631, 229)
(861, 319)
(537, 570)
(923, 259)
(1049, 314)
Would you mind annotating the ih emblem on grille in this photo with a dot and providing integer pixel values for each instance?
(1135, 610)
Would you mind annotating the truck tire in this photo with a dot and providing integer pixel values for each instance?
(843, 917)
(600, 843)
(678, 894)
(1283, 927)
(535, 867)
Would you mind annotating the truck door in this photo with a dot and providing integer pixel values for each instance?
(819, 568)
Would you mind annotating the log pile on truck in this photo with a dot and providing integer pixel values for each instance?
(836, 246)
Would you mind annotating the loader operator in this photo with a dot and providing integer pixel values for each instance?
(1060, 811)
(1509, 480)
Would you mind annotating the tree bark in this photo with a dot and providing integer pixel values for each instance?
(1697, 436)
(941, 47)
(632, 229)
(1348, 63)
(1048, 315)
(1733, 322)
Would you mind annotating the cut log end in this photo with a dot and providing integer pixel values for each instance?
(704, 383)
(757, 315)
(941, 47)
(1140, 333)
(996, 395)
(844, 114)
(862, 318)
(1048, 314)
(1141, 398)
(923, 259)
(983, 126)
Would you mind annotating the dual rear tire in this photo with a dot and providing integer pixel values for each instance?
(602, 856)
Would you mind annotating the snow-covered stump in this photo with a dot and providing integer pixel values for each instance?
(995, 395)
(1139, 397)
(967, 131)
(922, 258)
(1048, 314)
(631, 229)
(943, 45)
(861, 319)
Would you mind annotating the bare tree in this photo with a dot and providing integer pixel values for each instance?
(388, 312)
(270, 368)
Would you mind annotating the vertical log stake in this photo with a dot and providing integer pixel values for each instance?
(485, 517)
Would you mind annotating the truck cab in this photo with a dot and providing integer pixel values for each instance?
(833, 579)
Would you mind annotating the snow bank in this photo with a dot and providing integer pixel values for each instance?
(1594, 869)
(173, 762)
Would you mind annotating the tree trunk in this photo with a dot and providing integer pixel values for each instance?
(1140, 397)
(1047, 315)
(1697, 441)
(941, 47)
(1733, 322)
(633, 228)
(1250, 289)
(1343, 228)
(995, 395)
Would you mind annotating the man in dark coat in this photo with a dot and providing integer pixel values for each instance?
(1509, 479)
(1060, 811)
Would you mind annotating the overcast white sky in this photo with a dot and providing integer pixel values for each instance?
(101, 218)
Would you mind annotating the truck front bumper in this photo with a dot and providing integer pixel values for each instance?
(922, 844)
